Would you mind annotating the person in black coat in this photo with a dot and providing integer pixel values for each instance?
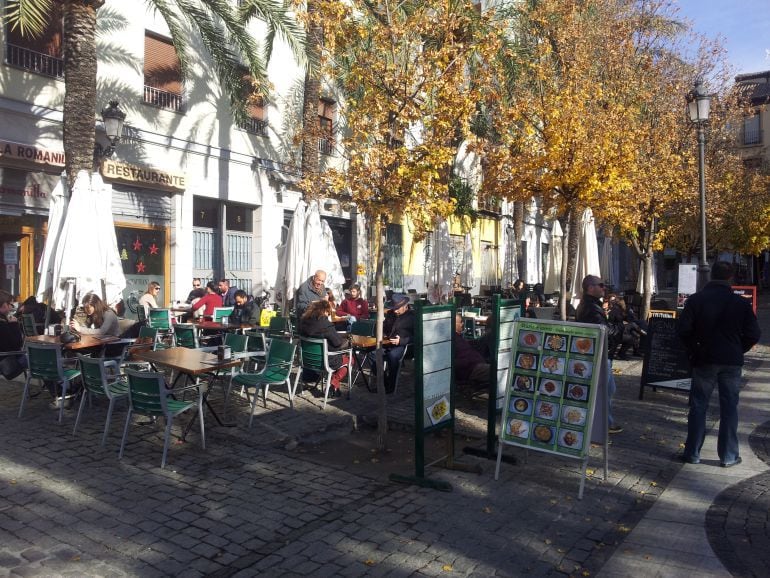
(315, 322)
(11, 339)
(397, 333)
(246, 311)
(717, 327)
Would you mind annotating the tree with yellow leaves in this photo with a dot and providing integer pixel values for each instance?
(412, 74)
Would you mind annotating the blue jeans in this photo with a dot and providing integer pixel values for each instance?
(728, 380)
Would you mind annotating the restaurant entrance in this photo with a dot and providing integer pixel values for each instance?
(18, 261)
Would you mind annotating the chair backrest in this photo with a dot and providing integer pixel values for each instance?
(279, 360)
(364, 327)
(116, 350)
(93, 374)
(221, 312)
(141, 314)
(28, 326)
(312, 354)
(146, 332)
(280, 328)
(469, 328)
(160, 318)
(186, 335)
(147, 392)
(256, 341)
(236, 342)
(45, 361)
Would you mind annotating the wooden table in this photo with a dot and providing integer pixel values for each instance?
(86, 341)
(217, 326)
(194, 363)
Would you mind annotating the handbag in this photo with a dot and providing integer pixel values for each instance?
(69, 336)
(10, 367)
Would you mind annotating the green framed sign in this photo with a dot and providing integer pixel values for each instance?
(557, 373)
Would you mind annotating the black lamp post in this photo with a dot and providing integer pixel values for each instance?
(699, 105)
(113, 119)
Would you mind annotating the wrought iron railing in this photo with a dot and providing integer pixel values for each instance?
(752, 135)
(326, 146)
(163, 99)
(34, 61)
(255, 126)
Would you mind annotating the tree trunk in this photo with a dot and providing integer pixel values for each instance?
(310, 161)
(382, 400)
(563, 297)
(518, 232)
(79, 51)
(572, 239)
(647, 284)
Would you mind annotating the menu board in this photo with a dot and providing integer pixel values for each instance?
(553, 386)
(665, 359)
(747, 292)
(436, 362)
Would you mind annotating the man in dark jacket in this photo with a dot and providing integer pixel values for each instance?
(590, 311)
(397, 333)
(246, 310)
(469, 364)
(717, 327)
(11, 339)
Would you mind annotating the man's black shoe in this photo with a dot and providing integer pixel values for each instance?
(689, 459)
(737, 461)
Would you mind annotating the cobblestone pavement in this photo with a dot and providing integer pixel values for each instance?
(261, 501)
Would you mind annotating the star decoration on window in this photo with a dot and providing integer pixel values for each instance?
(154, 249)
(137, 245)
(140, 267)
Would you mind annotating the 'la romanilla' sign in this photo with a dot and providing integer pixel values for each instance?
(137, 175)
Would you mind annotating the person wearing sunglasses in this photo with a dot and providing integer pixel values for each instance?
(590, 310)
(197, 291)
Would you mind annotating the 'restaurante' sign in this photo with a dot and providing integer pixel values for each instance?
(32, 154)
(136, 175)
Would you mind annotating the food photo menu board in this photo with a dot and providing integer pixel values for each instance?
(552, 387)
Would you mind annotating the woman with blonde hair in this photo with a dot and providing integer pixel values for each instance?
(100, 319)
(148, 300)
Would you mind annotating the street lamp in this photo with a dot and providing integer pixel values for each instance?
(698, 105)
(113, 119)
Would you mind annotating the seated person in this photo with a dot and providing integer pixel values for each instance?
(397, 332)
(354, 306)
(196, 293)
(11, 339)
(469, 364)
(246, 310)
(148, 299)
(208, 302)
(100, 319)
(315, 322)
(38, 310)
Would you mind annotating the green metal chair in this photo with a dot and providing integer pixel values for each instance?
(257, 346)
(28, 325)
(186, 335)
(148, 395)
(47, 365)
(365, 327)
(280, 328)
(101, 378)
(141, 314)
(314, 356)
(277, 370)
(160, 319)
(221, 312)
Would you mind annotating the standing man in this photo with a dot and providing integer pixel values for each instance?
(227, 293)
(717, 327)
(590, 310)
(314, 289)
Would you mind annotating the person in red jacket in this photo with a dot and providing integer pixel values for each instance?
(210, 300)
(354, 305)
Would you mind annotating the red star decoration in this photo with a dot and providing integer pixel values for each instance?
(154, 249)
(137, 244)
(140, 267)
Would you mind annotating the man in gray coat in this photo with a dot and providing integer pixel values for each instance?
(311, 290)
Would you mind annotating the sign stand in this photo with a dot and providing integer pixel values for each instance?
(556, 394)
(433, 392)
(505, 312)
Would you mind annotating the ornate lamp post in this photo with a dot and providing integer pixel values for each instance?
(699, 105)
(113, 119)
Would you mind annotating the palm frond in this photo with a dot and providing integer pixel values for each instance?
(29, 16)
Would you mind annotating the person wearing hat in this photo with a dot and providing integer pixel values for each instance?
(397, 333)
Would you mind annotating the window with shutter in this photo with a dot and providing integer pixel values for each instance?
(326, 110)
(162, 74)
(41, 54)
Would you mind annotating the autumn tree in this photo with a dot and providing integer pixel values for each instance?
(412, 74)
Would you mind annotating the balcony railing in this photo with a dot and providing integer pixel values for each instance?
(36, 62)
(163, 99)
(254, 126)
(752, 135)
(326, 146)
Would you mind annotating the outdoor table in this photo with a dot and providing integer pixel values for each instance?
(193, 363)
(217, 326)
(362, 346)
(86, 341)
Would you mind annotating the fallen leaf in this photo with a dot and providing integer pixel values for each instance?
(369, 562)
(446, 568)
(548, 541)
(356, 462)
(653, 484)
(586, 573)
(553, 502)
(486, 510)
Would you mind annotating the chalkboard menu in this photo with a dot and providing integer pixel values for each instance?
(552, 387)
(665, 359)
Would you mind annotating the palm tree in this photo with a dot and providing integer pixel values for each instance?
(222, 30)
